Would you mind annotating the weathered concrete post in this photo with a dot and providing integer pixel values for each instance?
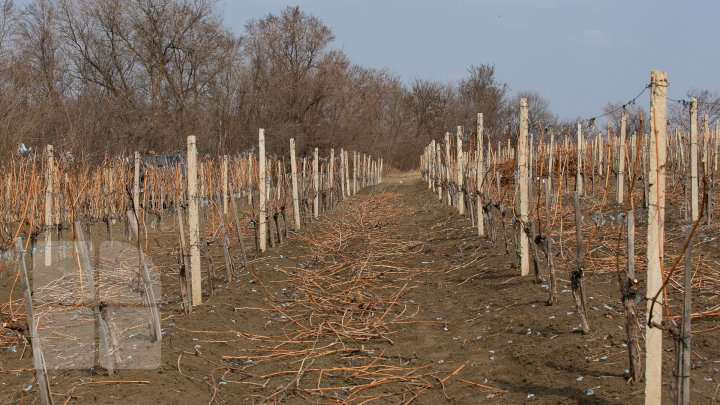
(579, 171)
(316, 183)
(262, 187)
(193, 222)
(355, 173)
(347, 173)
(136, 191)
(655, 234)
(694, 186)
(342, 173)
(49, 174)
(459, 171)
(621, 158)
(331, 177)
(225, 186)
(294, 179)
(448, 167)
(522, 163)
(480, 175)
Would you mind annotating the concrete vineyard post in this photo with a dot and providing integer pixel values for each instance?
(621, 158)
(548, 185)
(331, 177)
(716, 147)
(706, 165)
(433, 166)
(601, 152)
(480, 174)
(459, 171)
(49, 173)
(368, 158)
(579, 171)
(430, 164)
(448, 167)
(366, 170)
(262, 187)
(694, 160)
(655, 234)
(341, 173)
(523, 179)
(706, 143)
(355, 173)
(251, 179)
(225, 185)
(136, 190)
(347, 173)
(294, 180)
(193, 222)
(316, 183)
(439, 171)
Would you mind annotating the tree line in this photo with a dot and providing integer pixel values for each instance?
(100, 77)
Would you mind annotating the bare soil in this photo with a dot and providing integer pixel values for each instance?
(389, 298)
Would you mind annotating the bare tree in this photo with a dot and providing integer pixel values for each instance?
(292, 71)
(430, 105)
(613, 114)
(708, 103)
(482, 92)
(539, 113)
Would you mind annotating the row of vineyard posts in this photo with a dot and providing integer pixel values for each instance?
(533, 179)
(44, 195)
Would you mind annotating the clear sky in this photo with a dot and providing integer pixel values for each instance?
(579, 54)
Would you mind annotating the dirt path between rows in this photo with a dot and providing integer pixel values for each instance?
(390, 298)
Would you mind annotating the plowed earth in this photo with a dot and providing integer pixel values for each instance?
(389, 298)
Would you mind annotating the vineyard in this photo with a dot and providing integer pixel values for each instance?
(573, 265)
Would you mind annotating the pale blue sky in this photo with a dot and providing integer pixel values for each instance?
(579, 54)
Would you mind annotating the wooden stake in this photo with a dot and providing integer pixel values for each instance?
(576, 276)
(38, 358)
(185, 282)
(629, 292)
(684, 354)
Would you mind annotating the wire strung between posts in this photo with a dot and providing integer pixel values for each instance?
(591, 121)
(687, 101)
